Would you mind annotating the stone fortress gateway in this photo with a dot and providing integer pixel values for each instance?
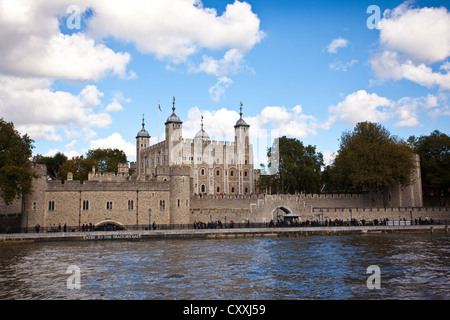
(179, 181)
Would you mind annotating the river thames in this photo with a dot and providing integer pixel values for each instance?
(410, 266)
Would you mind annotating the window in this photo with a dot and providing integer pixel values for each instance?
(218, 190)
(34, 206)
(162, 205)
(218, 172)
(51, 205)
(85, 204)
(202, 172)
(245, 173)
(231, 173)
(232, 189)
(130, 204)
(178, 203)
(203, 188)
(246, 190)
(109, 205)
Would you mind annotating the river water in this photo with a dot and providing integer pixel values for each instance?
(411, 266)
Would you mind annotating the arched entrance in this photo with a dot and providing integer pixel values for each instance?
(279, 212)
(108, 225)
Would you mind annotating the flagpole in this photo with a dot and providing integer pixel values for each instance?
(158, 119)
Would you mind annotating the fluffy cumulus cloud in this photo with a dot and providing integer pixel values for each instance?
(115, 141)
(39, 111)
(364, 106)
(31, 44)
(361, 106)
(176, 28)
(412, 42)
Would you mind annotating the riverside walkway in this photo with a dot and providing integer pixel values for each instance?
(230, 233)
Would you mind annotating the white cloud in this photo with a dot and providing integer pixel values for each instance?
(115, 141)
(328, 157)
(114, 106)
(31, 44)
(341, 66)
(387, 65)
(176, 28)
(421, 34)
(337, 43)
(230, 63)
(38, 110)
(411, 39)
(361, 106)
(219, 88)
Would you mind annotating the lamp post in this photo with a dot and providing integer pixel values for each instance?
(351, 216)
(149, 217)
(26, 227)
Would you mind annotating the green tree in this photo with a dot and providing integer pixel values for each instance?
(16, 174)
(434, 152)
(53, 163)
(107, 159)
(298, 166)
(370, 158)
(79, 166)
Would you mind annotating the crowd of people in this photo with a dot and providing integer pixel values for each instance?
(352, 222)
(212, 225)
(219, 225)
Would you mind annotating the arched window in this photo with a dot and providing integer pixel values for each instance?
(218, 190)
(202, 172)
(232, 189)
(203, 188)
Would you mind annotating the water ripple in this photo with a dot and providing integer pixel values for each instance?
(320, 267)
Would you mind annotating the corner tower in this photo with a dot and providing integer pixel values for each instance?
(244, 155)
(174, 127)
(142, 142)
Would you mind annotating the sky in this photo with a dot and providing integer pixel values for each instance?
(79, 75)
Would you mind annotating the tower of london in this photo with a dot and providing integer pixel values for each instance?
(181, 181)
(216, 167)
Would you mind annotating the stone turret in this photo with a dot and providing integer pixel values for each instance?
(174, 132)
(142, 142)
(180, 192)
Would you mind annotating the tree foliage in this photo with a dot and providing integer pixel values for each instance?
(370, 158)
(298, 167)
(16, 175)
(434, 152)
(53, 163)
(107, 159)
(79, 166)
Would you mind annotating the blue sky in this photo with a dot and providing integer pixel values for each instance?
(305, 69)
